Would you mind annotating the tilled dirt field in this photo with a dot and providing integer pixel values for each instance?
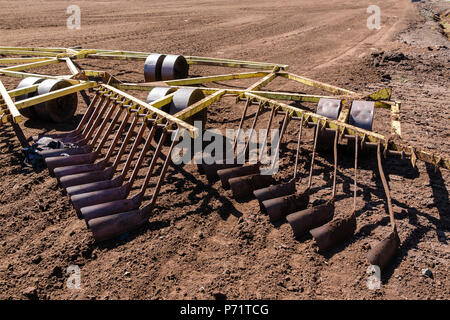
(200, 243)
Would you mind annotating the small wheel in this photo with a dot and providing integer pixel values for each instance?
(60, 109)
(158, 93)
(174, 67)
(29, 112)
(361, 115)
(186, 97)
(152, 67)
(329, 108)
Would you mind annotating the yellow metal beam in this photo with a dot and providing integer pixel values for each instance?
(13, 110)
(317, 84)
(21, 91)
(39, 49)
(19, 74)
(395, 120)
(72, 67)
(383, 94)
(263, 82)
(268, 94)
(343, 115)
(32, 65)
(54, 94)
(223, 77)
(29, 53)
(21, 60)
(199, 106)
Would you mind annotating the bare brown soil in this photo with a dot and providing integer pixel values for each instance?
(200, 243)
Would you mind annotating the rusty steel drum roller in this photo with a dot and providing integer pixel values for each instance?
(174, 67)
(152, 67)
(29, 112)
(186, 97)
(158, 93)
(60, 109)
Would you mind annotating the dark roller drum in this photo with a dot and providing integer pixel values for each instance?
(29, 112)
(60, 109)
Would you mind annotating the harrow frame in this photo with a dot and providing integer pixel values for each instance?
(267, 72)
(111, 92)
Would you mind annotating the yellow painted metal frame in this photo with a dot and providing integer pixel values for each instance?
(32, 58)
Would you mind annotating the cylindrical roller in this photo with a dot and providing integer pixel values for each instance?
(60, 109)
(279, 208)
(226, 174)
(27, 82)
(243, 186)
(275, 191)
(174, 67)
(158, 93)
(313, 217)
(152, 67)
(185, 97)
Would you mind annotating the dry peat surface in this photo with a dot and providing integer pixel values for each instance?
(199, 242)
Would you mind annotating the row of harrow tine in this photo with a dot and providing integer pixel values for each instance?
(284, 202)
(98, 194)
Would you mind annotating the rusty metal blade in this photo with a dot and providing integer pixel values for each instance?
(303, 221)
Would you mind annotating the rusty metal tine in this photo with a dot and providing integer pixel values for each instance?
(283, 129)
(258, 112)
(269, 125)
(133, 150)
(117, 137)
(108, 131)
(138, 165)
(244, 113)
(87, 114)
(316, 134)
(335, 163)
(356, 174)
(152, 166)
(102, 126)
(101, 105)
(147, 209)
(299, 141)
(386, 190)
(95, 123)
(124, 145)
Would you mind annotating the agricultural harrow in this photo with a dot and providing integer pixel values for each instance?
(100, 163)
